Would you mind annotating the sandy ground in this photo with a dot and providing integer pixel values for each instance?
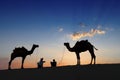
(83, 72)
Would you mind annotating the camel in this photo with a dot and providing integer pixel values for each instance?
(21, 52)
(82, 46)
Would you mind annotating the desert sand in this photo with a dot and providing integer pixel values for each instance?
(72, 72)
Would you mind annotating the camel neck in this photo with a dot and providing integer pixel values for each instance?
(69, 48)
(32, 49)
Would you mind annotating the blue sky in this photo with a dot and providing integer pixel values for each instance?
(50, 23)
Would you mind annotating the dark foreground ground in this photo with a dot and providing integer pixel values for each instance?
(83, 72)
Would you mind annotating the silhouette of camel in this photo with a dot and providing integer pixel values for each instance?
(21, 52)
(82, 46)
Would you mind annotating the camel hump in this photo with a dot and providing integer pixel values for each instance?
(20, 49)
(83, 43)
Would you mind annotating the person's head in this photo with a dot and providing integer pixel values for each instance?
(41, 58)
(53, 59)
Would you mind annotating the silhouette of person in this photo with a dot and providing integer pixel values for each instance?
(40, 63)
(53, 63)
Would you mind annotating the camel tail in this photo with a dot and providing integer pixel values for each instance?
(95, 48)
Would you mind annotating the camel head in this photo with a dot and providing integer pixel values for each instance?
(68, 47)
(35, 46)
(66, 44)
(32, 49)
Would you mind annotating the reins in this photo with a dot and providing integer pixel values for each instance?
(62, 56)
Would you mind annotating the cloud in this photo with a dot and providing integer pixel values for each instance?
(105, 28)
(60, 29)
(91, 33)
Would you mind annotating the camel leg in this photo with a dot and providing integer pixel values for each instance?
(23, 58)
(92, 56)
(9, 64)
(91, 60)
(94, 59)
(78, 58)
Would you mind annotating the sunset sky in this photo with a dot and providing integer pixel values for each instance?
(50, 23)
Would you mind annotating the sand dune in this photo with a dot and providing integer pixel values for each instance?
(83, 72)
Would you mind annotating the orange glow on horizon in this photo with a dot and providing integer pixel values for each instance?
(68, 58)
